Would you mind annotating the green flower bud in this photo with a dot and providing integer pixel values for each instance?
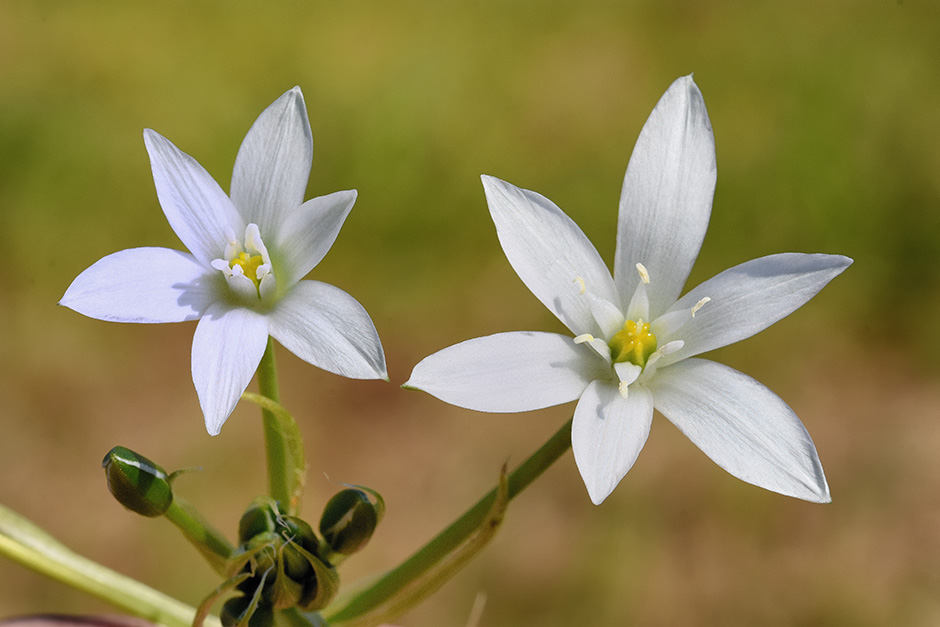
(234, 610)
(136, 482)
(348, 521)
(282, 556)
(260, 517)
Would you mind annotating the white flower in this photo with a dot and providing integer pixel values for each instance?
(634, 337)
(241, 278)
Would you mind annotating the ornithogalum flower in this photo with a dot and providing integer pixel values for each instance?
(634, 338)
(242, 275)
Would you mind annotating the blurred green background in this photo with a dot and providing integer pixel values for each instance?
(827, 124)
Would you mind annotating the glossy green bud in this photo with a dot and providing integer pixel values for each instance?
(348, 521)
(234, 611)
(136, 482)
(260, 517)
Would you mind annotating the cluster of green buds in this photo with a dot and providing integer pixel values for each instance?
(279, 563)
(279, 566)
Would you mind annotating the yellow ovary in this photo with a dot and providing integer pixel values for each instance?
(249, 264)
(633, 343)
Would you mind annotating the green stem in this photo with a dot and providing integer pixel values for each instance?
(389, 584)
(214, 546)
(24, 542)
(274, 441)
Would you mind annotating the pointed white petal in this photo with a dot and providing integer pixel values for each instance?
(750, 297)
(309, 231)
(549, 253)
(199, 212)
(326, 327)
(227, 349)
(667, 196)
(607, 434)
(508, 372)
(273, 163)
(144, 285)
(743, 426)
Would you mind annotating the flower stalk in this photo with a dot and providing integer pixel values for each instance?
(208, 540)
(274, 440)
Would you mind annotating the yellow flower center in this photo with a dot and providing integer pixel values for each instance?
(633, 343)
(248, 263)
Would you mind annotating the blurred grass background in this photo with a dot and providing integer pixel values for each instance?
(827, 121)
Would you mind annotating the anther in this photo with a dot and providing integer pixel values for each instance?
(699, 305)
(581, 284)
(644, 275)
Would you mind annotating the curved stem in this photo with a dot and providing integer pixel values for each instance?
(386, 586)
(210, 542)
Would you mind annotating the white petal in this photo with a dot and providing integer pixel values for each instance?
(199, 212)
(549, 253)
(667, 196)
(608, 433)
(750, 297)
(508, 372)
(144, 285)
(309, 231)
(326, 327)
(273, 163)
(608, 317)
(227, 349)
(743, 426)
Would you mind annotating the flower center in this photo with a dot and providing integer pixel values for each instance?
(633, 343)
(247, 267)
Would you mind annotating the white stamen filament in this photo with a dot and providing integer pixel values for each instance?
(624, 389)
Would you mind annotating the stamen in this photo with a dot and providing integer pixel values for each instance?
(639, 306)
(247, 265)
(671, 347)
(627, 373)
(699, 305)
(584, 337)
(581, 284)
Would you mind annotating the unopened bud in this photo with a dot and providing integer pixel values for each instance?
(237, 611)
(136, 482)
(259, 518)
(348, 520)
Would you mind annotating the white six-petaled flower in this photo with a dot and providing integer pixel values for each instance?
(242, 276)
(634, 338)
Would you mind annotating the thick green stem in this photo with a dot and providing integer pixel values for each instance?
(214, 546)
(22, 541)
(386, 586)
(274, 440)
